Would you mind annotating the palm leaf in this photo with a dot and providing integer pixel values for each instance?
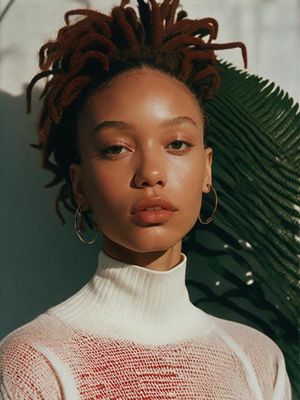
(250, 248)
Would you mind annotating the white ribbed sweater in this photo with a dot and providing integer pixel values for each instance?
(133, 333)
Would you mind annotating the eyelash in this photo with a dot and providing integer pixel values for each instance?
(106, 155)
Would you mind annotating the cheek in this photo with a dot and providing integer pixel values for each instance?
(187, 176)
(190, 180)
(106, 188)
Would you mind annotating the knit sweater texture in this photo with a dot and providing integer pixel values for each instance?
(133, 333)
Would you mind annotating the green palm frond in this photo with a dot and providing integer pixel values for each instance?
(250, 249)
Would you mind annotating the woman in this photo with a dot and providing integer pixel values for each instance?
(123, 116)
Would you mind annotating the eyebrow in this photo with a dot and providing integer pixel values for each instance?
(126, 125)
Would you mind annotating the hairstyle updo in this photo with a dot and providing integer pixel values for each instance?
(95, 48)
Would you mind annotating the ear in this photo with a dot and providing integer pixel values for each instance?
(78, 185)
(207, 177)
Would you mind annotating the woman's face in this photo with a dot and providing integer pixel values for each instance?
(141, 155)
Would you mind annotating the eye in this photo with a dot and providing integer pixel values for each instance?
(178, 144)
(112, 150)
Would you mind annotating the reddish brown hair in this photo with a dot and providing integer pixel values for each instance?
(97, 47)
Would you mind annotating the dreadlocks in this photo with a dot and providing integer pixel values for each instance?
(96, 48)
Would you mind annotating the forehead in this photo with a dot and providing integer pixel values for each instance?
(150, 79)
(146, 73)
(142, 94)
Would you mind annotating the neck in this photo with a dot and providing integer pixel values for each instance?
(161, 260)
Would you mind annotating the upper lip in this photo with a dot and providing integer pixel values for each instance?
(153, 201)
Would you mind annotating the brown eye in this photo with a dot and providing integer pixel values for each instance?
(112, 150)
(178, 144)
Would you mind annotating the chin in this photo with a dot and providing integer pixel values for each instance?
(150, 243)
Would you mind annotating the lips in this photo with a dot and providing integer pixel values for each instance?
(150, 202)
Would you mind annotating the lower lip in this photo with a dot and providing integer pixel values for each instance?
(152, 216)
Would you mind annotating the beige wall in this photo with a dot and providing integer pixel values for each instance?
(269, 28)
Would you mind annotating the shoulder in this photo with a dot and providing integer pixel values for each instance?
(264, 354)
(25, 372)
(247, 337)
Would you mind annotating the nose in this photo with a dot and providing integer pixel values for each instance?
(150, 171)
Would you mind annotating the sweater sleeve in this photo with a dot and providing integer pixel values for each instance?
(264, 355)
(25, 374)
(269, 364)
(282, 386)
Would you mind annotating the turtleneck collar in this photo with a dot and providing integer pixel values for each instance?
(132, 302)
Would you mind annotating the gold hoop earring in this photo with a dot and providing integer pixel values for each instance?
(216, 203)
(78, 226)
